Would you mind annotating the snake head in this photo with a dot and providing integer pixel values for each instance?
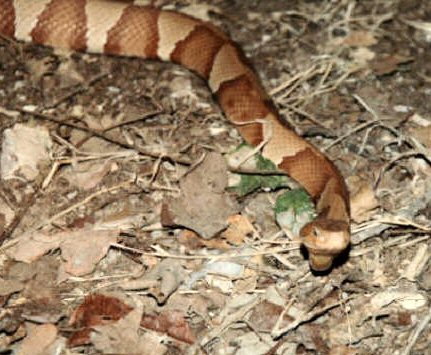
(325, 239)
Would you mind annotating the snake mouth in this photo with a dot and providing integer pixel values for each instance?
(325, 240)
(320, 262)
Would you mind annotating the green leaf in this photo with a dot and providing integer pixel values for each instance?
(253, 182)
(293, 209)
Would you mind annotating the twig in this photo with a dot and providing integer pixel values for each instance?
(394, 160)
(229, 320)
(351, 132)
(277, 333)
(101, 135)
(78, 89)
(161, 253)
(415, 335)
(306, 115)
(83, 202)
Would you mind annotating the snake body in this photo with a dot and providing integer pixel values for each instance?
(124, 29)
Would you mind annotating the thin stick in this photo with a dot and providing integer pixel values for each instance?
(415, 335)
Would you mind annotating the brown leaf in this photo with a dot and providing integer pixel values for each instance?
(203, 205)
(8, 287)
(266, 314)
(38, 341)
(124, 337)
(95, 310)
(170, 322)
(161, 281)
(422, 134)
(25, 150)
(239, 228)
(342, 350)
(387, 64)
(360, 39)
(362, 202)
(30, 247)
(83, 249)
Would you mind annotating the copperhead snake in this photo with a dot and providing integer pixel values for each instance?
(124, 29)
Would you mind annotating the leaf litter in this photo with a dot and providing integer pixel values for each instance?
(82, 227)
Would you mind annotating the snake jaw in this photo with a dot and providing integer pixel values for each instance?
(325, 239)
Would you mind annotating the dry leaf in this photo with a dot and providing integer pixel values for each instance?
(95, 310)
(30, 247)
(362, 55)
(171, 322)
(38, 68)
(83, 249)
(24, 148)
(203, 205)
(387, 64)
(266, 314)
(89, 175)
(161, 281)
(39, 340)
(216, 273)
(360, 39)
(422, 134)
(192, 241)
(363, 202)
(8, 287)
(421, 25)
(239, 228)
(69, 74)
(122, 337)
(408, 300)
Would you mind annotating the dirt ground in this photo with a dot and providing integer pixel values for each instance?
(107, 143)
